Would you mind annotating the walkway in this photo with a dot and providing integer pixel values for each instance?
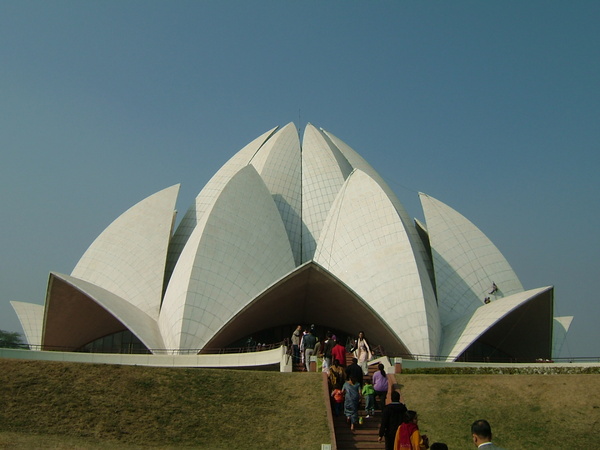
(364, 436)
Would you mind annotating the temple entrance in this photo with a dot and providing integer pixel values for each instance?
(279, 334)
(309, 295)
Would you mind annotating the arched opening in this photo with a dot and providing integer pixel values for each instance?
(524, 335)
(75, 322)
(120, 342)
(309, 295)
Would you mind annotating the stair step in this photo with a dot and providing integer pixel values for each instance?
(372, 443)
(364, 426)
(364, 436)
(345, 438)
(366, 445)
(359, 430)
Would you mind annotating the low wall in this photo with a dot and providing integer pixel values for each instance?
(267, 359)
(417, 364)
(275, 358)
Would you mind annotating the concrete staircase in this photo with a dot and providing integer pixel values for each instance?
(365, 434)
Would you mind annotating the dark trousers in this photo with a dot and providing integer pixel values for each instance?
(337, 408)
(381, 395)
(389, 441)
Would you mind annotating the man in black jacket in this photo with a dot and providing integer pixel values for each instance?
(393, 416)
(355, 371)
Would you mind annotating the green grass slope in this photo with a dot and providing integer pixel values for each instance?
(65, 405)
(525, 411)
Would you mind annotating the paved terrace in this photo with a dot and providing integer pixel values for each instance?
(269, 359)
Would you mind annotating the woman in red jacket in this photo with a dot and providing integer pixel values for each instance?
(408, 435)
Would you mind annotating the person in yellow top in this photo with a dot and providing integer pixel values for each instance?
(408, 435)
(337, 375)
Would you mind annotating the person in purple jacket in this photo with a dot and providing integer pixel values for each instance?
(380, 383)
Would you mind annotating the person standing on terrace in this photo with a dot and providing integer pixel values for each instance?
(327, 348)
(309, 341)
(296, 336)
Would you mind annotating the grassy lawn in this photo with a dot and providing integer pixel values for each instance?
(525, 411)
(66, 405)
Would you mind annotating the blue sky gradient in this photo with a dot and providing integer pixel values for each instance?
(491, 107)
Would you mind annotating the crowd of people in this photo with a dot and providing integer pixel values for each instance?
(305, 344)
(348, 384)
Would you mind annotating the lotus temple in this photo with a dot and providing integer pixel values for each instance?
(294, 230)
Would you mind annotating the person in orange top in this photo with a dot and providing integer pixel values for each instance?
(338, 399)
(408, 435)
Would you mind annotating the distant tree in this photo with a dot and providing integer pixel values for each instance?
(10, 339)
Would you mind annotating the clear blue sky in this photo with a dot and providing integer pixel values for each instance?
(491, 107)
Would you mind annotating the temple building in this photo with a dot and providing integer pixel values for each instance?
(292, 232)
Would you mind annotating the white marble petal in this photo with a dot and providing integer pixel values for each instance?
(559, 336)
(365, 244)
(324, 170)
(128, 258)
(279, 164)
(358, 162)
(31, 317)
(465, 262)
(205, 199)
(238, 249)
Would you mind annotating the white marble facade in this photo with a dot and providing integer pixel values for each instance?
(279, 204)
